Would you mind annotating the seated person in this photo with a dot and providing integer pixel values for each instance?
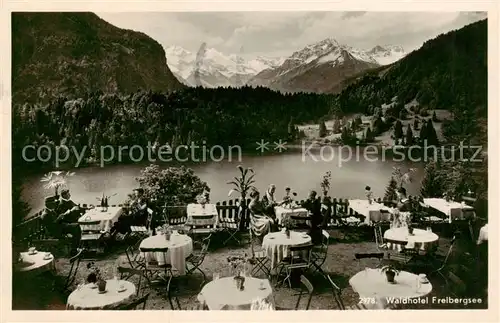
(139, 208)
(67, 220)
(313, 205)
(269, 201)
(402, 205)
(326, 208)
(260, 224)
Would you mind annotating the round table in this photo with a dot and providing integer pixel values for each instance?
(36, 263)
(222, 294)
(87, 298)
(180, 246)
(277, 244)
(371, 284)
(421, 239)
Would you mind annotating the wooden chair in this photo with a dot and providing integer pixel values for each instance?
(142, 231)
(444, 263)
(134, 304)
(195, 260)
(91, 235)
(152, 268)
(259, 257)
(298, 261)
(127, 273)
(229, 226)
(300, 223)
(369, 255)
(73, 270)
(135, 257)
(171, 296)
(305, 285)
(379, 238)
(319, 255)
(337, 296)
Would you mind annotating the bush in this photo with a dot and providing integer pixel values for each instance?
(171, 186)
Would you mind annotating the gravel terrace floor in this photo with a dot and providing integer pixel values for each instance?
(340, 265)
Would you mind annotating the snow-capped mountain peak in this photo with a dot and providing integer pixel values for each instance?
(387, 54)
(221, 69)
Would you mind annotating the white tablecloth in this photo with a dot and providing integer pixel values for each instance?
(369, 211)
(483, 234)
(36, 263)
(208, 214)
(179, 246)
(282, 212)
(107, 218)
(454, 210)
(277, 244)
(222, 294)
(87, 298)
(372, 283)
(421, 239)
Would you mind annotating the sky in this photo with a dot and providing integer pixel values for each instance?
(279, 34)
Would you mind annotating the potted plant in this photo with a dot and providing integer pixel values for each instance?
(325, 183)
(202, 200)
(55, 180)
(287, 224)
(238, 266)
(242, 185)
(95, 277)
(390, 272)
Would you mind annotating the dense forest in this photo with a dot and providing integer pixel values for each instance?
(448, 72)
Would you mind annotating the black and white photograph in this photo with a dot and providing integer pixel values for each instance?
(249, 160)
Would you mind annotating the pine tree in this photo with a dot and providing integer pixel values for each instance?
(409, 140)
(398, 130)
(416, 124)
(432, 183)
(369, 135)
(322, 129)
(390, 190)
(432, 138)
(336, 126)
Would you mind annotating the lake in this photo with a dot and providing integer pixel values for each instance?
(349, 178)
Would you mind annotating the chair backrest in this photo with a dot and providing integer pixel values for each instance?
(162, 251)
(75, 263)
(205, 243)
(302, 249)
(369, 255)
(337, 293)
(133, 305)
(307, 285)
(149, 218)
(449, 252)
(379, 239)
(385, 216)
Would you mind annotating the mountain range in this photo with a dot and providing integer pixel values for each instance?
(320, 67)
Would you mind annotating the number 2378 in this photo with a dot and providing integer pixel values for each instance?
(367, 300)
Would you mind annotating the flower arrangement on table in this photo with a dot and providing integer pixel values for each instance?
(390, 272)
(407, 220)
(238, 266)
(96, 276)
(287, 223)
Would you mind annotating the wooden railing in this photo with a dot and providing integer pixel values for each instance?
(33, 228)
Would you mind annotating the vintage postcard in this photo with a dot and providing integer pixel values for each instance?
(216, 160)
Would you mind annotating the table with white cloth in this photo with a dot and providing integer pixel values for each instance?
(36, 263)
(202, 215)
(283, 212)
(483, 234)
(277, 244)
(372, 284)
(222, 293)
(87, 297)
(107, 219)
(180, 246)
(369, 211)
(423, 240)
(453, 210)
